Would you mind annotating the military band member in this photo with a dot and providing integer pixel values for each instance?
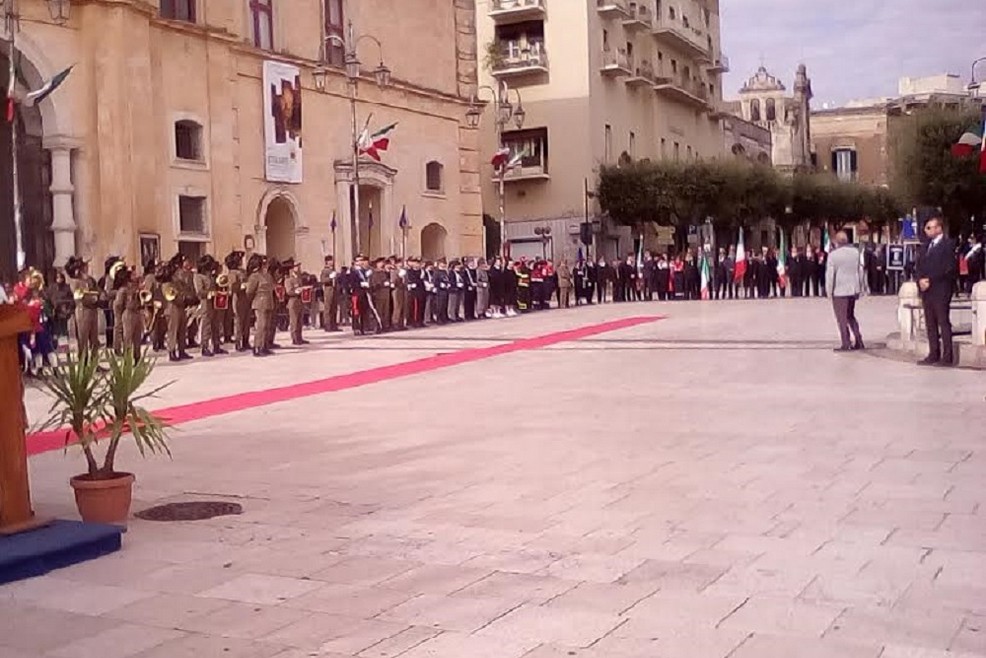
(294, 288)
(380, 288)
(330, 311)
(128, 309)
(482, 289)
(239, 302)
(260, 293)
(87, 297)
(398, 284)
(156, 320)
(209, 319)
(276, 272)
(114, 332)
(442, 284)
(182, 296)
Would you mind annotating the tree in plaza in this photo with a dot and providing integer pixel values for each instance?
(926, 172)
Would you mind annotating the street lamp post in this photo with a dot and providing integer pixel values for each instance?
(543, 232)
(975, 85)
(504, 111)
(352, 67)
(585, 235)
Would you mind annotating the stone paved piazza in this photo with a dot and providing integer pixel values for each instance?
(715, 483)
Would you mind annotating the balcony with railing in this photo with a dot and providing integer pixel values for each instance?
(719, 64)
(613, 8)
(641, 17)
(519, 58)
(678, 88)
(676, 33)
(642, 75)
(515, 11)
(616, 63)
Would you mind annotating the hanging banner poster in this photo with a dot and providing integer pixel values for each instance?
(282, 122)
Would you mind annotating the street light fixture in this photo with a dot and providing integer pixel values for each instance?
(543, 232)
(59, 10)
(352, 67)
(504, 112)
(975, 85)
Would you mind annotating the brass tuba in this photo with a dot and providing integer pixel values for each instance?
(146, 296)
(114, 269)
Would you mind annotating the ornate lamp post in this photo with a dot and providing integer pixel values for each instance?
(352, 66)
(504, 112)
(543, 232)
(974, 84)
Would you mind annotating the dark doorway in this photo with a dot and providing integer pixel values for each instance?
(34, 171)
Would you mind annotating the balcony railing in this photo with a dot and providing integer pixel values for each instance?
(641, 17)
(680, 89)
(613, 8)
(682, 37)
(518, 58)
(642, 75)
(720, 64)
(515, 11)
(616, 63)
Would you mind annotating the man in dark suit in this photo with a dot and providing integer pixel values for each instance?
(935, 272)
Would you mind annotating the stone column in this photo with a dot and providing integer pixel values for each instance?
(62, 196)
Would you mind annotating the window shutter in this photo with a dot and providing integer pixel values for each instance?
(852, 162)
(835, 161)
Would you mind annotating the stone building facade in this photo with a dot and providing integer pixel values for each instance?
(156, 141)
(764, 101)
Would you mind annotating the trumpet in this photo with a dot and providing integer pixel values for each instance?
(146, 296)
(36, 280)
(116, 267)
(169, 291)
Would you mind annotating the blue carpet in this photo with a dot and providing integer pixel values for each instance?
(54, 546)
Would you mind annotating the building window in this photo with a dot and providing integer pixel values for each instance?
(262, 14)
(677, 151)
(632, 150)
(771, 108)
(434, 174)
(755, 109)
(674, 66)
(335, 53)
(844, 164)
(178, 10)
(672, 13)
(188, 140)
(606, 40)
(608, 144)
(191, 216)
(532, 147)
(193, 250)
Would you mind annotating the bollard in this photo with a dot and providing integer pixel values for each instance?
(907, 296)
(979, 313)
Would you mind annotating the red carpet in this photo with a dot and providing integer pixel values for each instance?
(54, 440)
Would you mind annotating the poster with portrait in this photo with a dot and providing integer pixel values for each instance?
(282, 122)
(150, 249)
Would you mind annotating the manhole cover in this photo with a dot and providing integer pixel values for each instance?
(205, 509)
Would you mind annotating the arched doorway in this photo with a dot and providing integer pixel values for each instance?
(34, 174)
(433, 241)
(280, 228)
(371, 232)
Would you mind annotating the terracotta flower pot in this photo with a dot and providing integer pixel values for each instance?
(104, 501)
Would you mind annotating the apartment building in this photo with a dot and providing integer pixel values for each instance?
(180, 128)
(598, 80)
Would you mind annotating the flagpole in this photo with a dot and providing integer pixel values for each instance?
(11, 19)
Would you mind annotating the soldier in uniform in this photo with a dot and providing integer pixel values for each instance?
(156, 322)
(443, 283)
(380, 288)
(398, 284)
(293, 288)
(183, 296)
(469, 298)
(482, 289)
(330, 310)
(239, 304)
(259, 292)
(276, 272)
(87, 296)
(114, 332)
(416, 293)
(359, 285)
(128, 309)
(210, 322)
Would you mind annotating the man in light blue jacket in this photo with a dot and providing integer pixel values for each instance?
(843, 285)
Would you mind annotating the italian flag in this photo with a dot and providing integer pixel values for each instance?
(502, 158)
(782, 261)
(34, 97)
(705, 275)
(373, 144)
(740, 270)
(972, 141)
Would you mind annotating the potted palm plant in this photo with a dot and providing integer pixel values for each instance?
(101, 406)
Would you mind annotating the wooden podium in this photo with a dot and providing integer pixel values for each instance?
(16, 514)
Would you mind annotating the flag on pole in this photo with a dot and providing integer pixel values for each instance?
(640, 255)
(372, 144)
(10, 91)
(580, 256)
(501, 157)
(982, 147)
(402, 222)
(970, 142)
(705, 274)
(782, 261)
(740, 270)
(38, 95)
(826, 243)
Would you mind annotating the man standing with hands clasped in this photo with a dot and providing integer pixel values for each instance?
(842, 282)
(935, 272)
